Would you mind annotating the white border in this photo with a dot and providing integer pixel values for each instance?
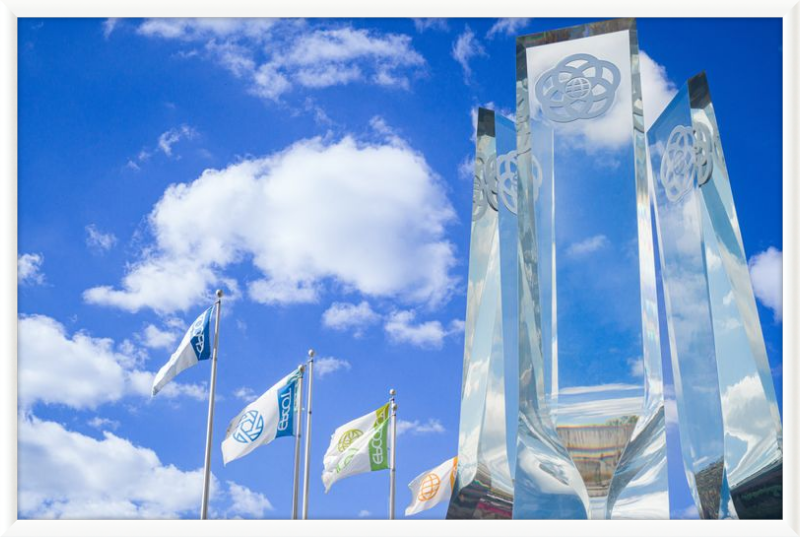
(789, 10)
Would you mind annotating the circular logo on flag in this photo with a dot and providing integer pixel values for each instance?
(429, 487)
(579, 87)
(249, 428)
(347, 438)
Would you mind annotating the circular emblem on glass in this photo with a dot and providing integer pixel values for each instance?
(507, 180)
(484, 187)
(249, 428)
(704, 153)
(688, 152)
(347, 438)
(678, 163)
(536, 175)
(579, 87)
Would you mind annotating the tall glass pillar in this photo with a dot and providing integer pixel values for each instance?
(487, 432)
(591, 410)
(730, 427)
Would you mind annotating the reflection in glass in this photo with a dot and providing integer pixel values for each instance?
(486, 443)
(591, 421)
(730, 427)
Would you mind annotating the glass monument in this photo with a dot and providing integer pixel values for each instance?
(591, 393)
(731, 434)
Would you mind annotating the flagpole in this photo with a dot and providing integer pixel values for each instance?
(210, 426)
(393, 407)
(299, 421)
(308, 433)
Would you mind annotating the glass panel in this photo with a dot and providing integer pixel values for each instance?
(483, 487)
(732, 446)
(590, 342)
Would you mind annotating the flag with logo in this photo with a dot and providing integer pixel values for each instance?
(195, 346)
(359, 446)
(432, 487)
(271, 416)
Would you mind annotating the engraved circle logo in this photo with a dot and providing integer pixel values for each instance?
(688, 151)
(579, 87)
(484, 188)
(507, 180)
(249, 428)
(429, 487)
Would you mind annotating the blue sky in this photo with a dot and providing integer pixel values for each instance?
(318, 171)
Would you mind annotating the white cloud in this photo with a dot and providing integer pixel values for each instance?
(766, 273)
(466, 168)
(108, 26)
(430, 24)
(432, 426)
(247, 503)
(155, 338)
(344, 316)
(637, 366)
(295, 214)
(103, 423)
(364, 513)
(99, 241)
(465, 48)
(587, 246)
(657, 89)
(81, 371)
(29, 269)
(400, 328)
(245, 393)
(64, 474)
(173, 136)
(507, 27)
(326, 366)
(274, 55)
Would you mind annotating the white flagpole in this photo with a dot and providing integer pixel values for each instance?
(393, 407)
(210, 426)
(298, 420)
(308, 433)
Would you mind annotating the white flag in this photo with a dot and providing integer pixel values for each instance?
(359, 446)
(432, 487)
(271, 416)
(196, 346)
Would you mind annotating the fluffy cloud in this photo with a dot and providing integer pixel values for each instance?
(29, 269)
(99, 241)
(81, 371)
(465, 48)
(275, 55)
(155, 338)
(430, 24)
(344, 316)
(587, 246)
(400, 328)
(766, 273)
(103, 423)
(246, 503)
(657, 89)
(325, 366)
(295, 214)
(64, 474)
(173, 136)
(507, 27)
(432, 426)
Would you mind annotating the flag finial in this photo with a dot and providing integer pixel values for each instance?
(310, 353)
(219, 293)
